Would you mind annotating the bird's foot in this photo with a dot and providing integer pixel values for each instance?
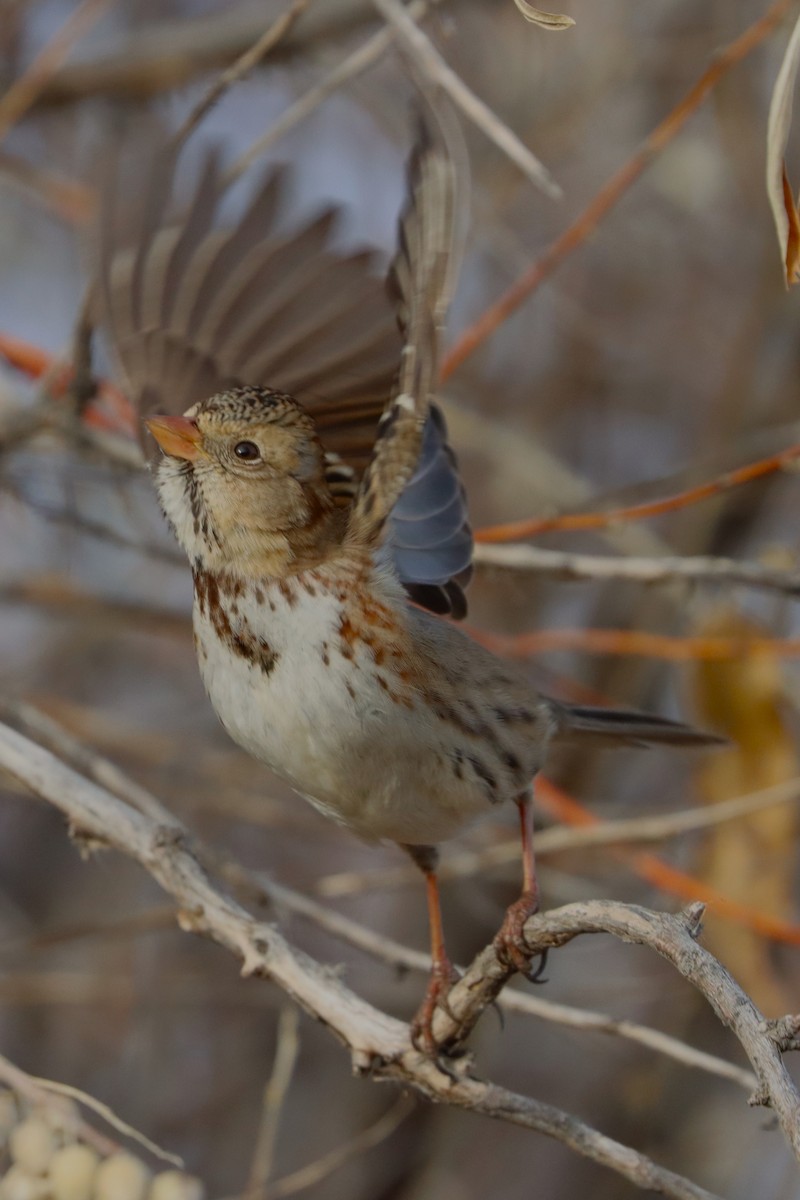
(442, 978)
(510, 944)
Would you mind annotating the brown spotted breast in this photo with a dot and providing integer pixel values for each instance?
(356, 699)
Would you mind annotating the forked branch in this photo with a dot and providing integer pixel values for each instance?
(378, 1043)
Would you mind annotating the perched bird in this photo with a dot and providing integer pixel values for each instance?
(310, 483)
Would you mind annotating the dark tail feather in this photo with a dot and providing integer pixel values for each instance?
(628, 726)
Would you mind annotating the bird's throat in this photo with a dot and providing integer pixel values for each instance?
(279, 553)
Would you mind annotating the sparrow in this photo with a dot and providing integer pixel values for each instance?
(306, 472)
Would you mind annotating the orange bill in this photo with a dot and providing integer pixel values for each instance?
(177, 436)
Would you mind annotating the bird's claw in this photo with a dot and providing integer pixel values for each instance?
(442, 978)
(510, 944)
(536, 973)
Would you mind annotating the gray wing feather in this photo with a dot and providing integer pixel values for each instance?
(429, 533)
(422, 277)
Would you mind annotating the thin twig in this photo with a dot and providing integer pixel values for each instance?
(58, 595)
(47, 1092)
(653, 1039)
(349, 68)
(322, 1167)
(161, 55)
(431, 63)
(616, 187)
(243, 65)
(672, 648)
(668, 878)
(35, 1091)
(464, 863)
(70, 200)
(699, 569)
(274, 1099)
(111, 1118)
(55, 515)
(100, 770)
(24, 91)
(112, 929)
(513, 530)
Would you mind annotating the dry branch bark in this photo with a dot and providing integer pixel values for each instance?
(698, 569)
(258, 887)
(378, 1043)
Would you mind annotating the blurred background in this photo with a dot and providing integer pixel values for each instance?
(662, 353)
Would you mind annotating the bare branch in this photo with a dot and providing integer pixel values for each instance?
(24, 91)
(69, 199)
(653, 828)
(108, 1115)
(36, 1092)
(606, 518)
(614, 189)
(261, 888)
(56, 515)
(353, 65)
(378, 1043)
(274, 1099)
(701, 569)
(430, 62)
(241, 67)
(169, 53)
(57, 595)
(316, 1171)
(673, 937)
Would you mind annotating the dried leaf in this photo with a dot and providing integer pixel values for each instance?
(792, 262)
(781, 198)
(751, 859)
(545, 20)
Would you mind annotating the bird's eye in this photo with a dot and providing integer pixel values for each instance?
(248, 451)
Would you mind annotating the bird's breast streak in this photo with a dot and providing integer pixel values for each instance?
(298, 689)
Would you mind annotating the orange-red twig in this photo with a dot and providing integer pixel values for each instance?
(25, 357)
(23, 92)
(634, 642)
(115, 414)
(70, 200)
(513, 531)
(607, 197)
(667, 878)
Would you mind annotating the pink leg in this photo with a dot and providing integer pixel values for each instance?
(443, 975)
(510, 940)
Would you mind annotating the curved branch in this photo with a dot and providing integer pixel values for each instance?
(674, 938)
(260, 888)
(378, 1043)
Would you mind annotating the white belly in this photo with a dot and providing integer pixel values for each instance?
(323, 721)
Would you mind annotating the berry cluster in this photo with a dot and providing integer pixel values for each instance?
(42, 1158)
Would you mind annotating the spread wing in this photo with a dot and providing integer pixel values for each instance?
(193, 303)
(192, 306)
(411, 492)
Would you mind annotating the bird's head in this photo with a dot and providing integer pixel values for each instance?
(242, 482)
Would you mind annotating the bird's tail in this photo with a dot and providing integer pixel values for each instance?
(605, 725)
